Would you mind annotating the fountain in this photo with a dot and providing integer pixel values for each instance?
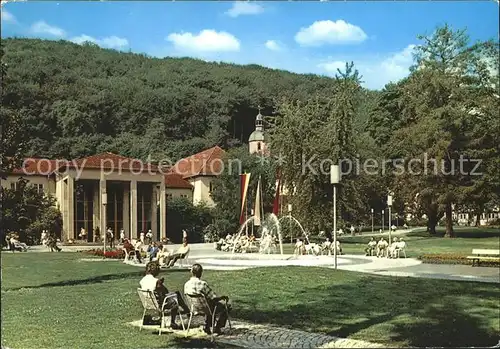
(270, 224)
(293, 219)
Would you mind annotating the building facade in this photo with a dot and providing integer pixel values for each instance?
(104, 191)
(200, 170)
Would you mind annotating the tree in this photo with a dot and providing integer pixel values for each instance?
(28, 212)
(431, 115)
(322, 130)
(183, 215)
(226, 187)
(11, 127)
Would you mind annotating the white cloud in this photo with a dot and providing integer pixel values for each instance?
(273, 45)
(8, 17)
(113, 41)
(244, 8)
(331, 67)
(206, 41)
(377, 72)
(330, 32)
(41, 27)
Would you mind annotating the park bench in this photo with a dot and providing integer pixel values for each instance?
(484, 255)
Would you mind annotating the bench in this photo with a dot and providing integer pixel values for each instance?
(484, 255)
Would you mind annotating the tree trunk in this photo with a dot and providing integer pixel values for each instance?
(432, 219)
(478, 219)
(449, 221)
(431, 225)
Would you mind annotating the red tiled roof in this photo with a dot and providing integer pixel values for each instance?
(174, 180)
(110, 161)
(208, 162)
(37, 167)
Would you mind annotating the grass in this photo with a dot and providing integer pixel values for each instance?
(57, 301)
(420, 242)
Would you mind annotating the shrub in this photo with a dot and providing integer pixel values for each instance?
(450, 258)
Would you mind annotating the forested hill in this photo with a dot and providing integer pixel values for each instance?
(79, 100)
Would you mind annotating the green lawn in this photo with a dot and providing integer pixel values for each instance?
(420, 242)
(56, 301)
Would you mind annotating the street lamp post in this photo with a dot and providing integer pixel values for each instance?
(389, 203)
(290, 221)
(383, 221)
(334, 180)
(104, 200)
(252, 213)
(372, 220)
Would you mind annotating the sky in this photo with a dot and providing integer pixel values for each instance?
(304, 37)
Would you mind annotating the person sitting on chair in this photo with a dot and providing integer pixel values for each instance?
(392, 248)
(131, 246)
(382, 247)
(163, 253)
(401, 245)
(52, 243)
(181, 253)
(150, 282)
(153, 251)
(371, 247)
(299, 246)
(197, 287)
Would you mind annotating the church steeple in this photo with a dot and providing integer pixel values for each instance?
(257, 141)
(259, 122)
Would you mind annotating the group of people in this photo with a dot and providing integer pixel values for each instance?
(14, 244)
(156, 251)
(50, 241)
(302, 248)
(241, 244)
(195, 286)
(383, 249)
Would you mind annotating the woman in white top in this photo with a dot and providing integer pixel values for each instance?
(150, 282)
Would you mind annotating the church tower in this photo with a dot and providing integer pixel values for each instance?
(256, 141)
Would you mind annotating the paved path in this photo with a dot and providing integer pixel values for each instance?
(247, 335)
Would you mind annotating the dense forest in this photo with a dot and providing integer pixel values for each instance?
(78, 100)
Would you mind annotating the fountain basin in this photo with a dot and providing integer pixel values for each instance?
(242, 261)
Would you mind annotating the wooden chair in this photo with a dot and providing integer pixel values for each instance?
(149, 303)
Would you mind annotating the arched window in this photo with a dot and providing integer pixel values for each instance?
(258, 146)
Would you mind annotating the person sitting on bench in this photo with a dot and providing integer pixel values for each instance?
(197, 287)
(181, 253)
(150, 282)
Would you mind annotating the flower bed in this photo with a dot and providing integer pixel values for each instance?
(110, 253)
(113, 254)
(450, 258)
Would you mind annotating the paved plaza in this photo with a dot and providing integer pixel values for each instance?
(247, 335)
(211, 259)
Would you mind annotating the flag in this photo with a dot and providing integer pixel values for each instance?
(256, 219)
(276, 205)
(244, 180)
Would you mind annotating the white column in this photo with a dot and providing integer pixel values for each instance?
(64, 208)
(133, 209)
(71, 208)
(163, 211)
(102, 208)
(96, 210)
(154, 210)
(126, 211)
